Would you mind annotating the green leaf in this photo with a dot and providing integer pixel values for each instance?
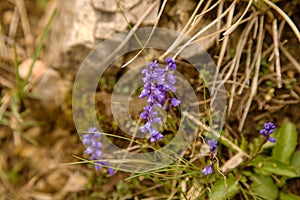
(274, 166)
(284, 196)
(295, 161)
(264, 187)
(286, 142)
(219, 190)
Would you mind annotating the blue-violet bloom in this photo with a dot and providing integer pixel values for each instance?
(213, 144)
(91, 140)
(207, 170)
(157, 82)
(268, 129)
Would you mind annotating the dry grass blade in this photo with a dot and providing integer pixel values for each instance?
(130, 34)
(25, 26)
(200, 16)
(3, 50)
(235, 65)
(5, 101)
(219, 23)
(285, 17)
(196, 21)
(195, 190)
(276, 53)
(177, 173)
(215, 133)
(6, 83)
(204, 29)
(14, 24)
(148, 39)
(213, 37)
(247, 70)
(287, 54)
(254, 83)
(131, 141)
(232, 163)
(180, 37)
(223, 47)
(235, 25)
(225, 41)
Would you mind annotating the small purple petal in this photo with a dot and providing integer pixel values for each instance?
(171, 63)
(98, 166)
(145, 71)
(213, 144)
(171, 79)
(89, 150)
(157, 120)
(207, 170)
(98, 154)
(145, 128)
(263, 132)
(273, 140)
(269, 128)
(266, 125)
(152, 65)
(86, 140)
(175, 102)
(156, 136)
(110, 171)
(144, 115)
(144, 93)
(92, 130)
(271, 131)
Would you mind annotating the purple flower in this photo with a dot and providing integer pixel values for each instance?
(157, 82)
(91, 140)
(207, 170)
(156, 136)
(213, 144)
(175, 102)
(273, 140)
(99, 165)
(171, 63)
(269, 128)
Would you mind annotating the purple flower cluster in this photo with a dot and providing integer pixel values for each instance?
(269, 128)
(91, 140)
(213, 144)
(157, 83)
(207, 170)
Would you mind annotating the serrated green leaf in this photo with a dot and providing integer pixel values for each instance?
(219, 190)
(264, 187)
(295, 161)
(274, 166)
(286, 142)
(284, 196)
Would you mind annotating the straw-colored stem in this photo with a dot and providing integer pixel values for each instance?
(285, 17)
(254, 84)
(25, 26)
(276, 53)
(235, 25)
(287, 54)
(204, 29)
(180, 37)
(223, 139)
(148, 39)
